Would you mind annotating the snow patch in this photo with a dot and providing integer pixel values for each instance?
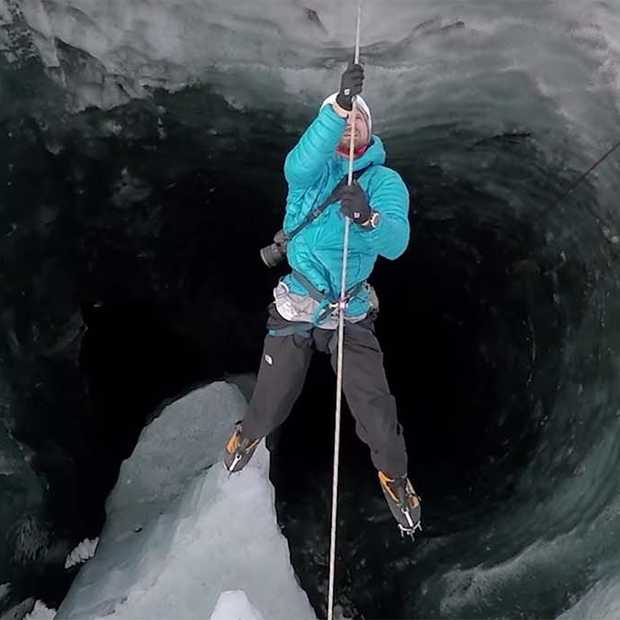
(235, 605)
(83, 552)
(41, 612)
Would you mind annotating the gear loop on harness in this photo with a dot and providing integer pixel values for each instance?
(326, 305)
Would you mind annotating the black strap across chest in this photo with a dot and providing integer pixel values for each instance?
(331, 198)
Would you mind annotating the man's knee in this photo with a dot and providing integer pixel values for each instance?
(376, 418)
(382, 416)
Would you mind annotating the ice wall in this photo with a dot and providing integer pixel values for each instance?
(468, 57)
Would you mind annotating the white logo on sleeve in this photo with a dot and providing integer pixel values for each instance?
(269, 359)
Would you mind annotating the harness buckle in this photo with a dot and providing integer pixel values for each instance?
(340, 305)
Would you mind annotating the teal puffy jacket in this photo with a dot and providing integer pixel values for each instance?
(312, 170)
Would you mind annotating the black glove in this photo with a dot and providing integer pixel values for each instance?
(354, 203)
(350, 84)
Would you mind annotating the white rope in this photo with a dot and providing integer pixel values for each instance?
(341, 309)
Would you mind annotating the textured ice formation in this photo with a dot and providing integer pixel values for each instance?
(180, 532)
(476, 60)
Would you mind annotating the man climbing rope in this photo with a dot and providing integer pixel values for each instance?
(304, 314)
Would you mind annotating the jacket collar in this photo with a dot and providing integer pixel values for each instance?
(375, 155)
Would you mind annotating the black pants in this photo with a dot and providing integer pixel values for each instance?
(283, 369)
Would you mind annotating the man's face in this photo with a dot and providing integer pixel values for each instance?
(361, 136)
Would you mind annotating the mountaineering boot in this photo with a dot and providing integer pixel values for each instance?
(403, 502)
(239, 450)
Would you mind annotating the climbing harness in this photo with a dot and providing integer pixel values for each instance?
(341, 307)
(327, 305)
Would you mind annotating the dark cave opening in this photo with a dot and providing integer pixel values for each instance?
(457, 330)
(457, 353)
(455, 327)
(173, 294)
(457, 347)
